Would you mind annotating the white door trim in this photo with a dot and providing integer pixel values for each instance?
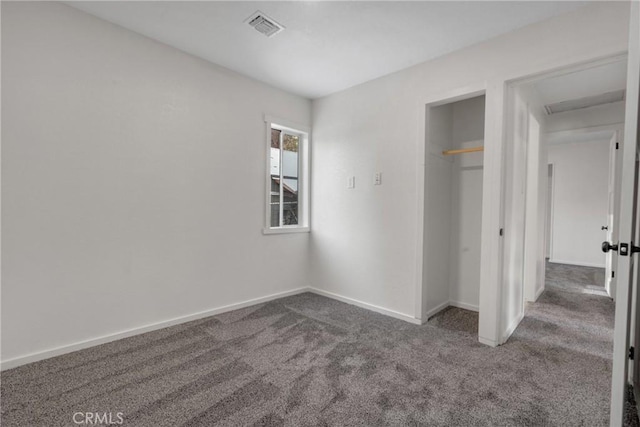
(431, 100)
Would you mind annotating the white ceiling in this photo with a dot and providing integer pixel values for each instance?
(327, 46)
(583, 83)
(568, 137)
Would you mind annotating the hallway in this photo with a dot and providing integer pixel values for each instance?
(572, 278)
(575, 312)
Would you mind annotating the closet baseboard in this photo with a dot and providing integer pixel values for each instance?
(446, 304)
(436, 310)
(464, 306)
(366, 305)
(486, 341)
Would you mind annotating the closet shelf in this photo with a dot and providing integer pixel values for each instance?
(463, 150)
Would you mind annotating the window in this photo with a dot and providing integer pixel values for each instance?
(287, 196)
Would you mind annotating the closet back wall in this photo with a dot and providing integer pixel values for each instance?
(132, 182)
(466, 209)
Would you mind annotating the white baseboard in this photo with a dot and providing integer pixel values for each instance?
(46, 354)
(464, 305)
(578, 263)
(367, 306)
(512, 327)
(538, 293)
(446, 304)
(486, 341)
(436, 310)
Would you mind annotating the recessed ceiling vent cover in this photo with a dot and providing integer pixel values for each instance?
(589, 101)
(263, 24)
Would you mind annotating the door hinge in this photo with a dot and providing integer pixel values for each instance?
(631, 352)
(502, 231)
(617, 145)
(613, 274)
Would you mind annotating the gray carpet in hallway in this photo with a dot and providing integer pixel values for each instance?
(573, 278)
(307, 360)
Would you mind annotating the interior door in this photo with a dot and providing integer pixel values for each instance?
(627, 224)
(610, 228)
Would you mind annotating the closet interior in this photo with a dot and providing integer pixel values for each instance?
(453, 205)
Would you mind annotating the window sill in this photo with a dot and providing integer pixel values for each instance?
(286, 230)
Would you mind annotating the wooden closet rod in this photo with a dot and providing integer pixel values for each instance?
(462, 150)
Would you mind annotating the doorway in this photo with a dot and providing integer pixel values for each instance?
(573, 178)
(570, 201)
(453, 183)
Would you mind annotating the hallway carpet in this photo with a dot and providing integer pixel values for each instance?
(307, 360)
(571, 278)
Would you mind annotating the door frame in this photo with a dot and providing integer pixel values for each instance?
(424, 149)
(531, 220)
(551, 201)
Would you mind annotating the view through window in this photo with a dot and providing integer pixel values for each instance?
(284, 174)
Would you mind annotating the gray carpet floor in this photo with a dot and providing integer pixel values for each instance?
(570, 278)
(307, 360)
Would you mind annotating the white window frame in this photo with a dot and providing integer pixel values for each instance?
(304, 133)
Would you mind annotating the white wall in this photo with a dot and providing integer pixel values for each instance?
(536, 191)
(132, 182)
(364, 240)
(516, 169)
(542, 208)
(438, 218)
(438, 235)
(466, 209)
(580, 202)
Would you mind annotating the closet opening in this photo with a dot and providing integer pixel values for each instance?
(453, 183)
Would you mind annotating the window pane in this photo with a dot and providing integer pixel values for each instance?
(275, 178)
(275, 203)
(275, 138)
(290, 145)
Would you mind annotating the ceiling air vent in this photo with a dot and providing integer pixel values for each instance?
(263, 24)
(589, 101)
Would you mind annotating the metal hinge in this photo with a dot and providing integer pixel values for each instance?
(617, 145)
(631, 352)
(502, 231)
(613, 274)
